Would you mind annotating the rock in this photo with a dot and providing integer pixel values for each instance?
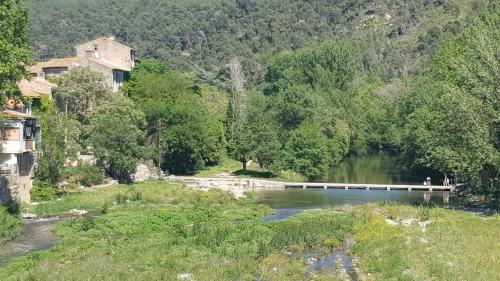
(28, 216)
(76, 212)
(141, 174)
(185, 277)
(407, 222)
(424, 224)
(391, 222)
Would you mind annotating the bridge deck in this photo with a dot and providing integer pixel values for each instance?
(369, 186)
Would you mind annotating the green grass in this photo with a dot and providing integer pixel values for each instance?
(157, 230)
(9, 224)
(455, 246)
(170, 230)
(227, 166)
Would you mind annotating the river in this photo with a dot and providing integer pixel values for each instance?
(379, 168)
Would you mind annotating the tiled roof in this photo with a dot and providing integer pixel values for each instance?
(11, 114)
(60, 62)
(108, 39)
(111, 65)
(29, 89)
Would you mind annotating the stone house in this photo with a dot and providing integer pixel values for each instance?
(20, 138)
(114, 60)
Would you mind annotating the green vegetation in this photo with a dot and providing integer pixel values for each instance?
(449, 118)
(14, 47)
(455, 245)
(158, 230)
(397, 38)
(193, 133)
(43, 191)
(79, 92)
(116, 131)
(9, 224)
(297, 91)
(83, 174)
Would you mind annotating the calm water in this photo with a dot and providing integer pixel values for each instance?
(378, 168)
(300, 199)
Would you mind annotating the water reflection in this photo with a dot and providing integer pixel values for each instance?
(379, 168)
(298, 199)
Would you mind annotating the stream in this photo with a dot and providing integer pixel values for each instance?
(36, 235)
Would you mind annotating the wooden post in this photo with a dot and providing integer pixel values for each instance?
(446, 197)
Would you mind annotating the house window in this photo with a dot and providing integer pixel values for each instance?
(117, 80)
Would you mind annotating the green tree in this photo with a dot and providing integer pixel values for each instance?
(470, 66)
(192, 134)
(15, 47)
(306, 152)
(80, 91)
(59, 143)
(116, 132)
(264, 131)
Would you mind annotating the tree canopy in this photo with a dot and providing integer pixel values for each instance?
(15, 46)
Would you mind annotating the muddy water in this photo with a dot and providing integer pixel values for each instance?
(36, 235)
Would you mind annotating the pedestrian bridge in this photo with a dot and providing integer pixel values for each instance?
(427, 188)
(369, 186)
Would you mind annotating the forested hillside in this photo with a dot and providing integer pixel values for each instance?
(396, 38)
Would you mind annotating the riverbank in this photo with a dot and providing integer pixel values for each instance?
(9, 225)
(162, 231)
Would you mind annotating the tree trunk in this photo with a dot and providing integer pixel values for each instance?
(244, 165)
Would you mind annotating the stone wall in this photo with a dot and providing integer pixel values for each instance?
(108, 49)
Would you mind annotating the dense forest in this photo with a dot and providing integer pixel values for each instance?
(396, 38)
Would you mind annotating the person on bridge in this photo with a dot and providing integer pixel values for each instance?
(446, 181)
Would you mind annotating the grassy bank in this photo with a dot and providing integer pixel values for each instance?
(162, 231)
(426, 243)
(229, 166)
(9, 224)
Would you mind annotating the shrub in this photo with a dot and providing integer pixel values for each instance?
(87, 224)
(84, 174)
(121, 198)
(135, 195)
(9, 224)
(43, 191)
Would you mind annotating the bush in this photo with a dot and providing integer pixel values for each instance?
(84, 174)
(43, 191)
(121, 198)
(9, 224)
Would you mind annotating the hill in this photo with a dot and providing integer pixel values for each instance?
(395, 38)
